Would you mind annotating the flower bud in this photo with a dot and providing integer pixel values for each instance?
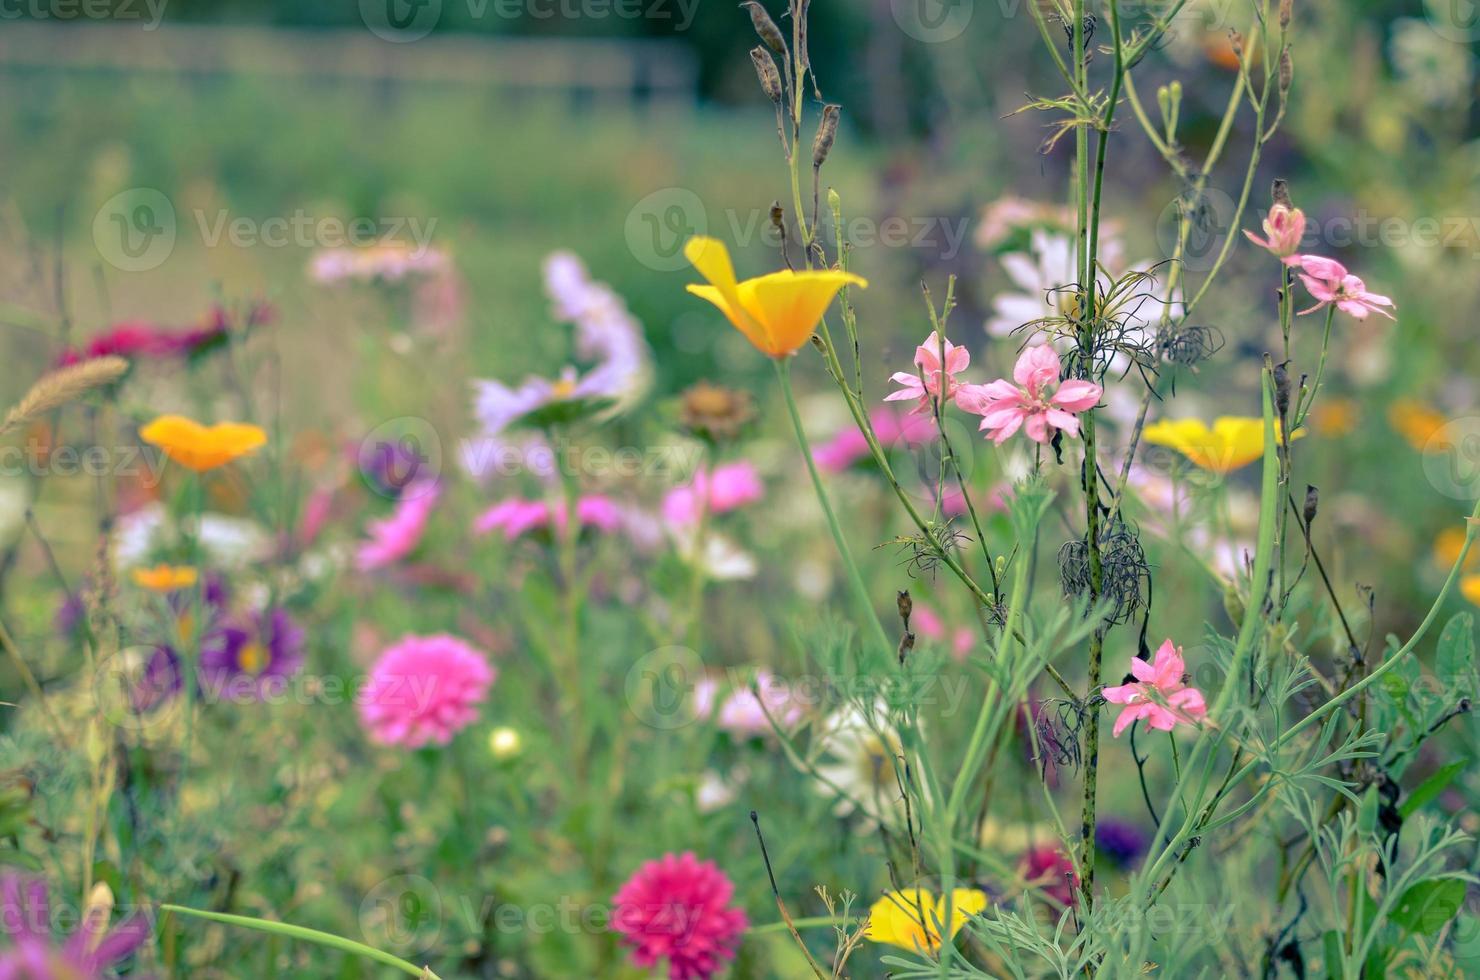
(1312, 504)
(906, 605)
(1287, 11)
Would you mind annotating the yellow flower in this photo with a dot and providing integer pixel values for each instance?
(1232, 442)
(1416, 422)
(199, 447)
(911, 919)
(164, 578)
(777, 313)
(1469, 587)
(1448, 545)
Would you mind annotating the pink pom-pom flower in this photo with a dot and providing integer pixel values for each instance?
(677, 908)
(424, 689)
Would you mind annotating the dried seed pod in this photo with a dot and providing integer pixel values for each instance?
(765, 70)
(778, 217)
(1237, 40)
(906, 644)
(1287, 72)
(1279, 192)
(766, 29)
(906, 605)
(1312, 503)
(1282, 389)
(827, 131)
(1287, 11)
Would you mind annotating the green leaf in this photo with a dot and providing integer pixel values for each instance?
(1331, 941)
(1455, 662)
(1431, 787)
(1428, 905)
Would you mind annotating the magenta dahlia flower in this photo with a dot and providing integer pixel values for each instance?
(677, 908)
(424, 689)
(32, 953)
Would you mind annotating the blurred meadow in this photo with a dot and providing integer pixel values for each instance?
(644, 636)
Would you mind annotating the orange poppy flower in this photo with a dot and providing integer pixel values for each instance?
(201, 447)
(164, 578)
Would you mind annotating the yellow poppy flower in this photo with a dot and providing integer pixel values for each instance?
(896, 918)
(164, 578)
(201, 447)
(777, 313)
(1232, 442)
(1469, 587)
(1416, 422)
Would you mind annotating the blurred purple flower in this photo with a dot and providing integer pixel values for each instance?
(1121, 841)
(32, 954)
(160, 682)
(250, 659)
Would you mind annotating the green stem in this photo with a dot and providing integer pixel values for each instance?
(309, 936)
(855, 579)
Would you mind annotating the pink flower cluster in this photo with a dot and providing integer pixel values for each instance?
(517, 517)
(1037, 403)
(424, 689)
(141, 340)
(1158, 694)
(678, 909)
(849, 446)
(727, 487)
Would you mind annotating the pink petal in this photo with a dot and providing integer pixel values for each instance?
(1142, 671)
(1063, 420)
(1035, 427)
(1125, 693)
(1077, 396)
(1323, 268)
(1036, 366)
(1128, 717)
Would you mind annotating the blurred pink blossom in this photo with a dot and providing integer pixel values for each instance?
(393, 538)
(517, 517)
(424, 689)
(743, 711)
(849, 446)
(728, 487)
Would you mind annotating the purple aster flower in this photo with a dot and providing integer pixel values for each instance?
(32, 954)
(160, 682)
(606, 334)
(390, 467)
(251, 659)
(1121, 841)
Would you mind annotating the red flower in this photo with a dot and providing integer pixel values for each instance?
(678, 908)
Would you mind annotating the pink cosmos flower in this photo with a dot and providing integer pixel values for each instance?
(393, 538)
(726, 488)
(1037, 403)
(424, 689)
(1283, 230)
(517, 517)
(678, 908)
(849, 446)
(1158, 694)
(744, 712)
(27, 913)
(1329, 282)
(927, 358)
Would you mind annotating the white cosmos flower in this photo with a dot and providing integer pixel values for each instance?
(861, 751)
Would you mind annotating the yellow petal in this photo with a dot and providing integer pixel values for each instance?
(1469, 587)
(198, 447)
(896, 919)
(965, 902)
(164, 578)
(737, 316)
(790, 304)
